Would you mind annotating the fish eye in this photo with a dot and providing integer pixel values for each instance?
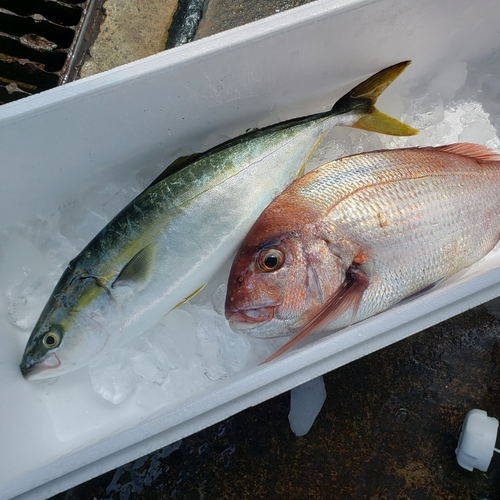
(270, 260)
(51, 339)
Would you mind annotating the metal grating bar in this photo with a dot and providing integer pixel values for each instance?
(38, 43)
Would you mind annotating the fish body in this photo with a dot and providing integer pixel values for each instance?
(162, 248)
(360, 234)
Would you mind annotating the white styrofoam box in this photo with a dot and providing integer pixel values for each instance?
(64, 140)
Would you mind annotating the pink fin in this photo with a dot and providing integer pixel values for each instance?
(349, 295)
(480, 153)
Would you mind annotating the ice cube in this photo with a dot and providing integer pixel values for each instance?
(165, 347)
(219, 299)
(180, 329)
(80, 224)
(451, 78)
(118, 201)
(149, 362)
(20, 259)
(223, 352)
(113, 376)
(58, 251)
(28, 299)
(427, 110)
(28, 285)
(306, 401)
(184, 382)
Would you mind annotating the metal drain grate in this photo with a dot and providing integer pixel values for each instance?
(40, 43)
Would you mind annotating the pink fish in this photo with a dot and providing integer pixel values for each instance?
(360, 234)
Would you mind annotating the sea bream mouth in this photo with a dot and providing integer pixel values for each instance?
(249, 318)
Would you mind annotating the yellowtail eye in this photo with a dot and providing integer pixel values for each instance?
(270, 260)
(51, 339)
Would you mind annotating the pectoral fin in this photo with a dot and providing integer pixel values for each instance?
(138, 271)
(348, 296)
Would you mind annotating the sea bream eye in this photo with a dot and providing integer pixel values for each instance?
(270, 260)
(51, 339)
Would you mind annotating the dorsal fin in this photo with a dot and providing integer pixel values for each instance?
(482, 154)
(176, 165)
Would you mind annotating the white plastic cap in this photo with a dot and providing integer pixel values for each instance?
(477, 441)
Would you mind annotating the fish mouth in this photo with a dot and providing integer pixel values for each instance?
(249, 318)
(41, 370)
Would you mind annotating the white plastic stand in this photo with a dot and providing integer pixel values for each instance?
(477, 441)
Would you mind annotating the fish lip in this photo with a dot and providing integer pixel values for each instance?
(41, 370)
(249, 318)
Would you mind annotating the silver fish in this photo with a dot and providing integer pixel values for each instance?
(162, 248)
(360, 234)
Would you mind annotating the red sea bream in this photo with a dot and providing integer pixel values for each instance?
(360, 234)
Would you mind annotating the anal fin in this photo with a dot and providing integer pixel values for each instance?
(189, 297)
(424, 290)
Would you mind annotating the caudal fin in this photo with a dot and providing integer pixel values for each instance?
(362, 98)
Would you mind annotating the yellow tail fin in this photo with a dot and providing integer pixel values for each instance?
(376, 121)
(362, 98)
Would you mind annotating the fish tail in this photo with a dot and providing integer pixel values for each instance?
(362, 98)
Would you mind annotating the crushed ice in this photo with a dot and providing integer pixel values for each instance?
(193, 347)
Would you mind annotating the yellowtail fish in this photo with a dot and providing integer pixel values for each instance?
(161, 249)
(360, 234)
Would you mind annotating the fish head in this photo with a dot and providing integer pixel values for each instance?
(278, 281)
(73, 328)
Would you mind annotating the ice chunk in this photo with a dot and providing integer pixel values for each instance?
(119, 201)
(80, 224)
(149, 362)
(427, 110)
(58, 251)
(223, 352)
(451, 78)
(306, 401)
(28, 299)
(160, 366)
(219, 299)
(20, 258)
(178, 336)
(113, 377)
(184, 382)
(24, 270)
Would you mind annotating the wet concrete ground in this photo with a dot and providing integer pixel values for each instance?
(389, 426)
